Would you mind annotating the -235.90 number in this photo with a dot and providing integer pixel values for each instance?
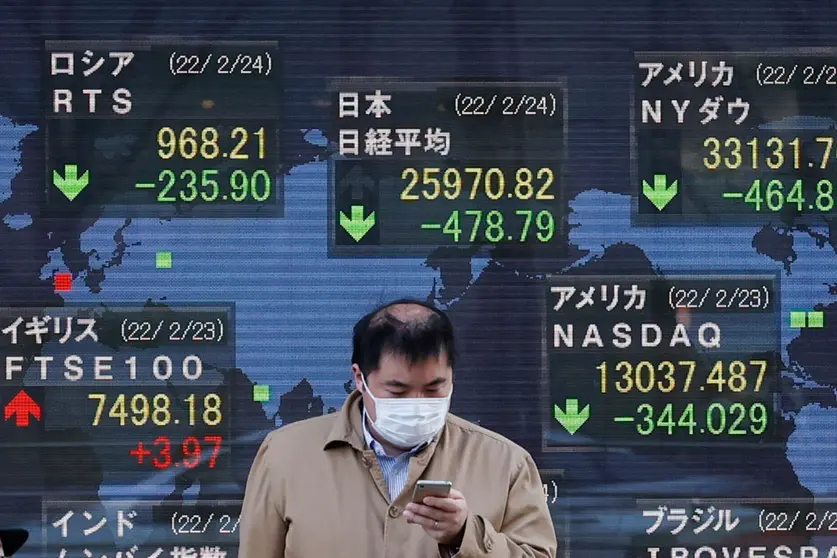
(241, 186)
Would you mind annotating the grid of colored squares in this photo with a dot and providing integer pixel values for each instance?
(800, 319)
(164, 260)
(63, 282)
(261, 394)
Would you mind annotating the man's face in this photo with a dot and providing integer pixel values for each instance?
(397, 378)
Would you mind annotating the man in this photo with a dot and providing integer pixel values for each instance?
(341, 485)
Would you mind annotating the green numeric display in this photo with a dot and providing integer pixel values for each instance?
(211, 186)
(776, 195)
(717, 419)
(495, 226)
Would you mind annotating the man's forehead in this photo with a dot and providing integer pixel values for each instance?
(406, 312)
(399, 373)
(400, 364)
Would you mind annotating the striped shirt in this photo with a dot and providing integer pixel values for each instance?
(395, 468)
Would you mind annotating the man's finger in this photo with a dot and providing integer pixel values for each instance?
(455, 494)
(446, 504)
(419, 519)
(427, 511)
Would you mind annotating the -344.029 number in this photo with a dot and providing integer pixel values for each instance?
(718, 419)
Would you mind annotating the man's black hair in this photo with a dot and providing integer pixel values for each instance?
(417, 339)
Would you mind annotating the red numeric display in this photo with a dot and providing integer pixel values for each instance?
(191, 452)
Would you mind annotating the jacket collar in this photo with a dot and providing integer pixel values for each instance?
(347, 424)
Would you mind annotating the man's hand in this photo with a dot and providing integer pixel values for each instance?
(442, 518)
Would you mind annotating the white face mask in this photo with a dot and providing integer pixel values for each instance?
(409, 422)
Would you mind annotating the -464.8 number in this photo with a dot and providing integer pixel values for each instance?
(774, 197)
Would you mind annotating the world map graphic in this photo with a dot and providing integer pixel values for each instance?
(278, 310)
(295, 306)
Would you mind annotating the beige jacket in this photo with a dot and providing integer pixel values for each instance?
(316, 491)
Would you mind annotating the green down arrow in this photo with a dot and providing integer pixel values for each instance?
(71, 184)
(358, 225)
(661, 193)
(572, 419)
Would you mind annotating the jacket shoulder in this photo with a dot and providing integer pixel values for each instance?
(483, 440)
(302, 435)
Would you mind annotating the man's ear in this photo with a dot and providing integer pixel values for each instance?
(358, 377)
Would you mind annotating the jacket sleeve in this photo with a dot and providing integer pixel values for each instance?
(263, 528)
(527, 530)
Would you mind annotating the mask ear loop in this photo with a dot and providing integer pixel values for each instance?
(366, 388)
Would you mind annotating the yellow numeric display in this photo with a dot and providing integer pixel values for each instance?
(668, 376)
(141, 409)
(469, 183)
(774, 153)
(210, 143)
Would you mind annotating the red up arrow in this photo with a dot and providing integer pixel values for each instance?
(20, 407)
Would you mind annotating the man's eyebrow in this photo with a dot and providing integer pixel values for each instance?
(435, 382)
(396, 383)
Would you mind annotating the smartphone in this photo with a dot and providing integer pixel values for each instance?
(439, 489)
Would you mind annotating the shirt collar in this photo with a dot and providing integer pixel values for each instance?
(377, 448)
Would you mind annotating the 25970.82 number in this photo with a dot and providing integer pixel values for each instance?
(528, 184)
